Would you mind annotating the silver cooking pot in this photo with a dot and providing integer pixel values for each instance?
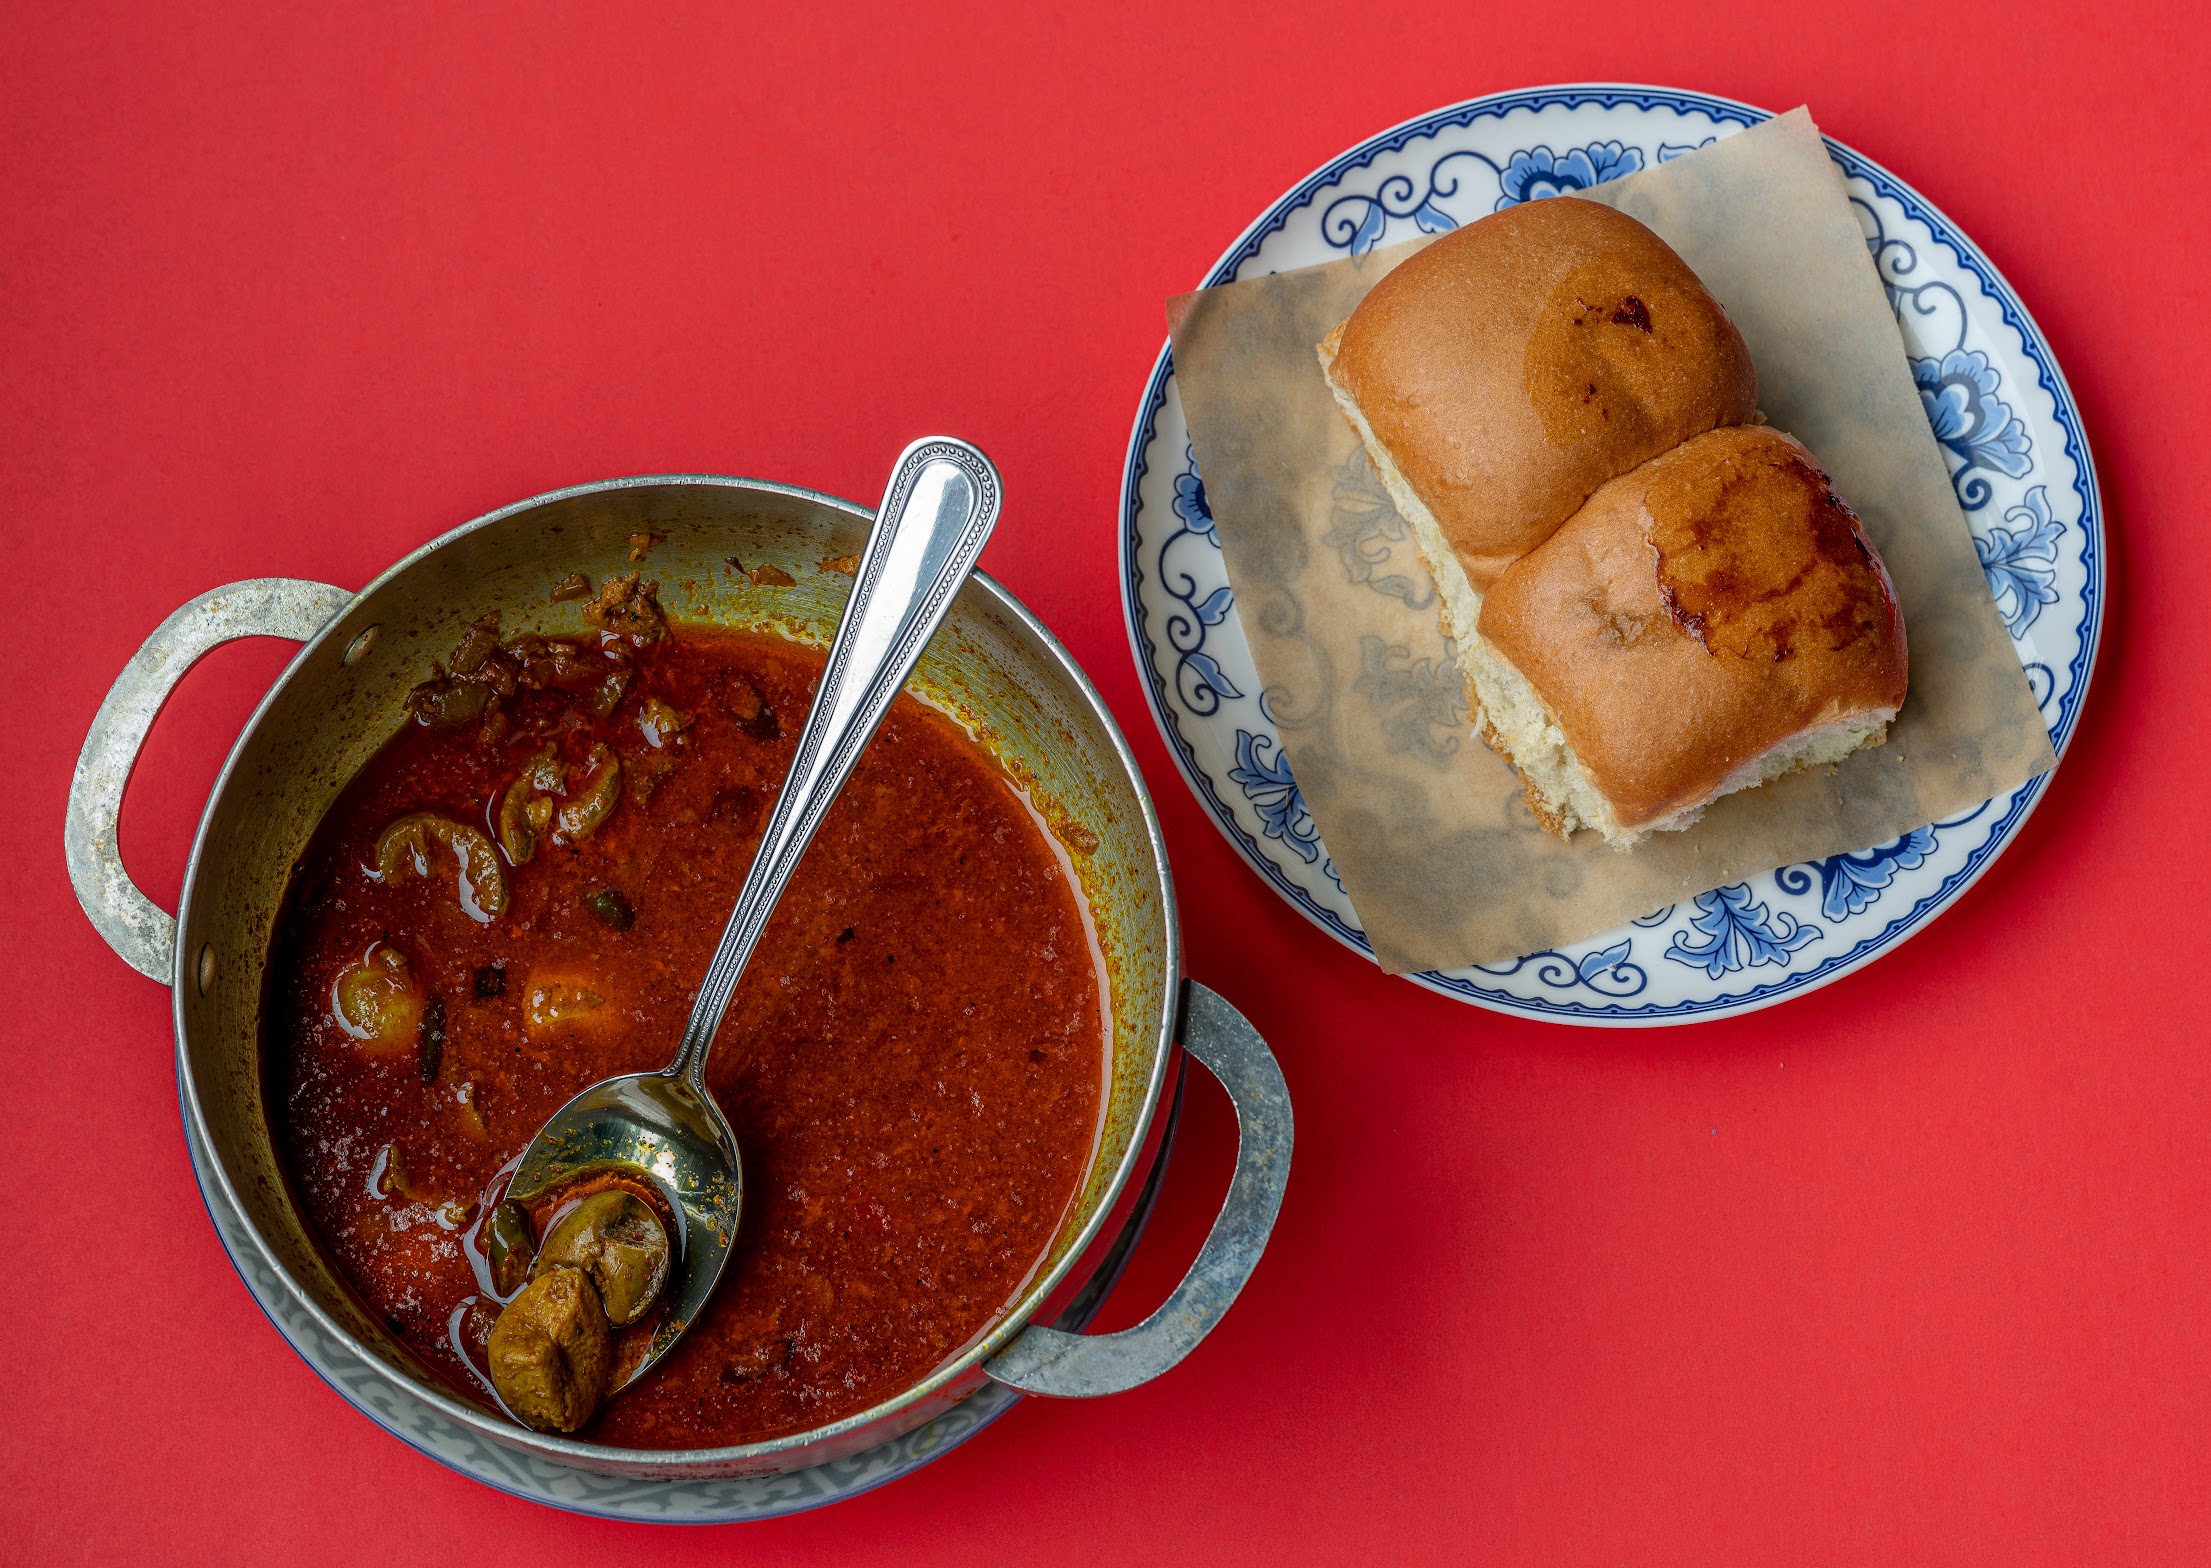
(993, 666)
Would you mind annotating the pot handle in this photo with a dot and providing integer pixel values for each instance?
(1080, 1366)
(141, 931)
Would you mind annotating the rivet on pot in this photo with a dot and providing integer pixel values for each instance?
(206, 966)
(358, 649)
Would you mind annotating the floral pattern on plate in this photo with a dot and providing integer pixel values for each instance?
(1996, 403)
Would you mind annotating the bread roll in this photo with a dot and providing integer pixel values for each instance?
(1707, 622)
(1502, 374)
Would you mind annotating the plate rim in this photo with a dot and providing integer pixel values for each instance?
(2018, 805)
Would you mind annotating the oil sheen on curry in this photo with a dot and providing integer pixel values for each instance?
(518, 896)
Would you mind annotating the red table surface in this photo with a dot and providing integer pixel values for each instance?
(1911, 1270)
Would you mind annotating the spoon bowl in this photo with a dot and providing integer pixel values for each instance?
(939, 508)
(659, 1127)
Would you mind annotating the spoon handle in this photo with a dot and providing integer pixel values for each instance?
(939, 507)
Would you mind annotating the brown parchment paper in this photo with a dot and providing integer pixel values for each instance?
(1435, 848)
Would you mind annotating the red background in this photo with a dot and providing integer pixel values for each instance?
(1913, 1270)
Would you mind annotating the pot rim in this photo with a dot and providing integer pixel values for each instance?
(585, 1455)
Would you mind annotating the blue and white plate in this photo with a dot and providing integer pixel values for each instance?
(1995, 399)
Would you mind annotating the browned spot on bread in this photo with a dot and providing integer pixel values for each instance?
(1623, 344)
(1758, 558)
(1698, 612)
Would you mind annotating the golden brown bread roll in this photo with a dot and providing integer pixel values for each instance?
(1705, 623)
(1502, 374)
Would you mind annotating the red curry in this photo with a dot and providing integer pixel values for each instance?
(913, 1065)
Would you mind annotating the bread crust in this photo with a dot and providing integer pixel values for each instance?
(1715, 603)
(1522, 361)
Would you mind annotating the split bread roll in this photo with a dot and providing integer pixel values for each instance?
(1712, 620)
(1655, 602)
(1501, 375)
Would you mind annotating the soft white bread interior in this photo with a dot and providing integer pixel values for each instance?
(1520, 727)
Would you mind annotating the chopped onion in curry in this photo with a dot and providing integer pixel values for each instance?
(511, 1246)
(375, 1001)
(552, 1003)
(585, 812)
(526, 809)
(405, 847)
(659, 722)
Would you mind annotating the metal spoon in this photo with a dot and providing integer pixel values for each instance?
(938, 509)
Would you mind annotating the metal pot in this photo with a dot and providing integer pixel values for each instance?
(994, 666)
